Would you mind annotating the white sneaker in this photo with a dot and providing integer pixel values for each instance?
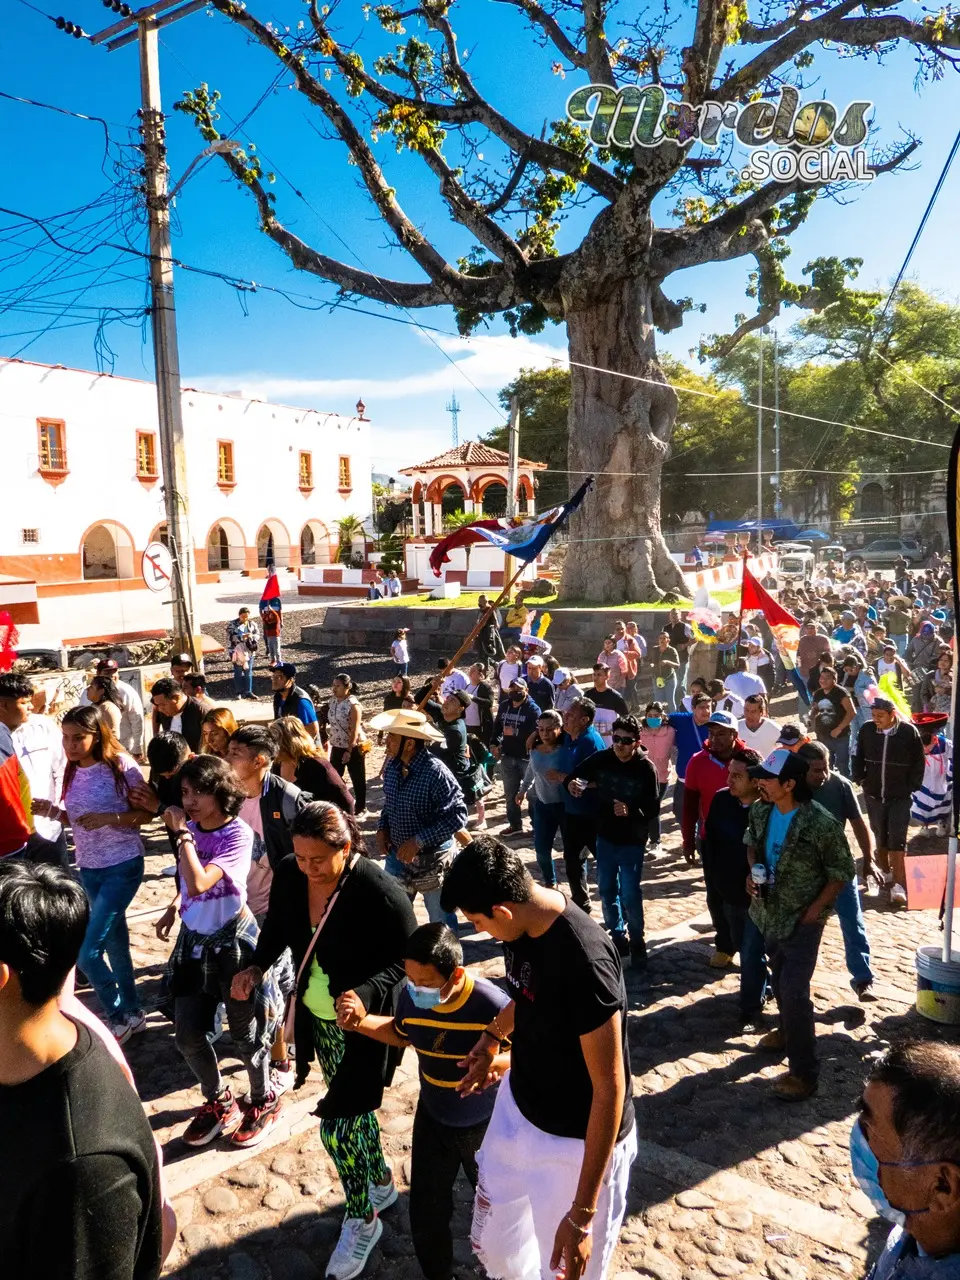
(356, 1243)
(382, 1197)
(282, 1079)
(169, 871)
(126, 1025)
(898, 896)
(655, 850)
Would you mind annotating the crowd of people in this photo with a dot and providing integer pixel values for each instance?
(305, 945)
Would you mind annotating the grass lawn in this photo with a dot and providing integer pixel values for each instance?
(469, 600)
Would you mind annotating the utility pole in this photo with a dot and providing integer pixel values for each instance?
(143, 26)
(778, 493)
(760, 450)
(453, 408)
(513, 451)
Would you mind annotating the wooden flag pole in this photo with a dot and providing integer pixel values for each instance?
(484, 619)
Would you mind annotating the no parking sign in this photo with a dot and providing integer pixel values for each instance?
(156, 566)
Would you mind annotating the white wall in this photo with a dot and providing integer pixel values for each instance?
(102, 416)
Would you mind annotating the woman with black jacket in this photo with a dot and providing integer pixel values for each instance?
(479, 718)
(357, 919)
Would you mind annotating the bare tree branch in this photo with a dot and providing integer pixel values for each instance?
(552, 29)
(472, 109)
(597, 58)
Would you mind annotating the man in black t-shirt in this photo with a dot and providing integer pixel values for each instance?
(831, 714)
(555, 1162)
(79, 1182)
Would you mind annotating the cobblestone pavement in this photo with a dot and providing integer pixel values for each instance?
(728, 1182)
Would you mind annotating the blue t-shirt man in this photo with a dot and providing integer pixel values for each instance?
(290, 699)
(778, 824)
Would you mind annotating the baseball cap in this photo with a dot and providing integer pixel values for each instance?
(520, 683)
(181, 660)
(780, 764)
(561, 674)
(286, 669)
(790, 736)
(724, 719)
(107, 667)
(754, 640)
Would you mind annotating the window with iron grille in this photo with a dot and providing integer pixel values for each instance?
(29, 535)
(345, 481)
(147, 454)
(52, 445)
(225, 472)
(306, 470)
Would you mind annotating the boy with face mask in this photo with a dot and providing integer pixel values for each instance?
(905, 1153)
(441, 1003)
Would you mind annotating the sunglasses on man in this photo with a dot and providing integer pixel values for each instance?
(621, 741)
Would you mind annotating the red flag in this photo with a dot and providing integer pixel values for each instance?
(464, 537)
(271, 595)
(9, 639)
(783, 625)
(754, 596)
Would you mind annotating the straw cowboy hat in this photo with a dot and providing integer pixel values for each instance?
(407, 724)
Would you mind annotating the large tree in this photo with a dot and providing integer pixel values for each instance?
(509, 198)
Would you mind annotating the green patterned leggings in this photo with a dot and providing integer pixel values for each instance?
(352, 1142)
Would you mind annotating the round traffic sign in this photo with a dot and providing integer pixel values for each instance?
(156, 565)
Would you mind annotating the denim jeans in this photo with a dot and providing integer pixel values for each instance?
(753, 969)
(110, 890)
(839, 749)
(792, 963)
(855, 945)
(512, 770)
(243, 679)
(619, 873)
(654, 831)
(901, 643)
(431, 897)
(273, 648)
(400, 668)
(667, 692)
(547, 821)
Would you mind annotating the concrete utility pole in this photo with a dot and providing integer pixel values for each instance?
(143, 26)
(778, 496)
(513, 451)
(760, 449)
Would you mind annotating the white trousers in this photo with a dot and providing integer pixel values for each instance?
(528, 1180)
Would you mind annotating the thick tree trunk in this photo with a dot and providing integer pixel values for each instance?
(619, 431)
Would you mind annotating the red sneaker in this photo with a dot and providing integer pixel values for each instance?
(222, 1115)
(258, 1120)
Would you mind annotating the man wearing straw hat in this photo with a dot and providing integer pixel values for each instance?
(423, 808)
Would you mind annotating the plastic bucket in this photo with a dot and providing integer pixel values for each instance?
(938, 986)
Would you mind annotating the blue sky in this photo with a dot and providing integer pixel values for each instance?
(263, 344)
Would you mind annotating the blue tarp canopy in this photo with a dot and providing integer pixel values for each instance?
(813, 535)
(780, 528)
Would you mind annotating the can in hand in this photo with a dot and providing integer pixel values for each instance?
(758, 874)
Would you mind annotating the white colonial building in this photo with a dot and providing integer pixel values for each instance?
(82, 490)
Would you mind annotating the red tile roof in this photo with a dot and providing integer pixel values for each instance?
(470, 454)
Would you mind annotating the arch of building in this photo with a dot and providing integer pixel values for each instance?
(273, 545)
(226, 546)
(106, 551)
(315, 543)
(159, 534)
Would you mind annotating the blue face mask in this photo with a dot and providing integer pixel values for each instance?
(424, 997)
(866, 1169)
(654, 722)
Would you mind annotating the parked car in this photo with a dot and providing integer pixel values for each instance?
(882, 553)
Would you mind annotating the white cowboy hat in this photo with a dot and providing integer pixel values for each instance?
(408, 724)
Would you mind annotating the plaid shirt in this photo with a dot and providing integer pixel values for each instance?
(427, 806)
(234, 944)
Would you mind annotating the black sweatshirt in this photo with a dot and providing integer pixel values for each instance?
(633, 782)
(360, 948)
(79, 1184)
